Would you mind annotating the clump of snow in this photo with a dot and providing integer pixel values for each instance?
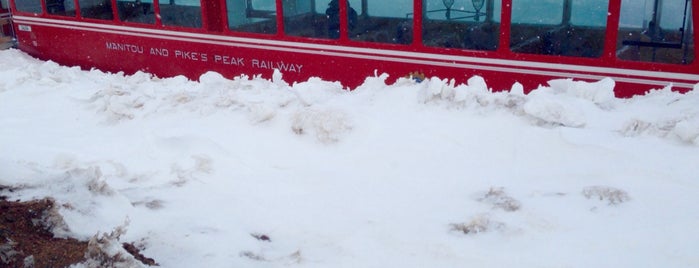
(598, 92)
(612, 195)
(546, 109)
(664, 113)
(478, 224)
(688, 130)
(327, 125)
(497, 197)
(106, 250)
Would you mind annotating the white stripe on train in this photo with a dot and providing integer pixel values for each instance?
(488, 64)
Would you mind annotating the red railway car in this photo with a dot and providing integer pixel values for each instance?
(641, 44)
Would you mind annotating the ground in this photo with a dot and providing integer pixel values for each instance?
(26, 239)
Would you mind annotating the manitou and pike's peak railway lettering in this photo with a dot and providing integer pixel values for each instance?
(204, 57)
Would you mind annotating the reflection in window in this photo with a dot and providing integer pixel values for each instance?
(136, 11)
(254, 16)
(60, 7)
(575, 28)
(656, 31)
(30, 6)
(383, 21)
(184, 13)
(96, 9)
(469, 24)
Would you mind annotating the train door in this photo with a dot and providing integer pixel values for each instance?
(5, 27)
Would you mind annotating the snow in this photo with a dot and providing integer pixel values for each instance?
(430, 174)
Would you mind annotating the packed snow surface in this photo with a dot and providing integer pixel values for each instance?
(256, 173)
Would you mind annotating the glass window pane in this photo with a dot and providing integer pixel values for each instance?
(383, 21)
(60, 7)
(464, 24)
(589, 13)
(184, 13)
(255, 16)
(537, 12)
(96, 9)
(322, 6)
(656, 33)
(4, 5)
(577, 29)
(136, 11)
(301, 18)
(31, 6)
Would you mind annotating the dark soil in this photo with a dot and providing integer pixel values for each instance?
(25, 241)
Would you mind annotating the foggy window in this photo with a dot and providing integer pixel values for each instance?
(575, 28)
(381, 21)
(30, 6)
(472, 24)
(656, 31)
(255, 16)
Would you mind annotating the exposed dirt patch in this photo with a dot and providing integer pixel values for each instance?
(26, 239)
(26, 242)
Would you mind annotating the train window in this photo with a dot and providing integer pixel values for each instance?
(136, 11)
(254, 16)
(313, 19)
(184, 13)
(4, 5)
(383, 21)
(656, 31)
(572, 28)
(468, 24)
(60, 7)
(96, 9)
(30, 6)
(302, 18)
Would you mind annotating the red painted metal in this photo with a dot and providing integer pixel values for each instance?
(169, 51)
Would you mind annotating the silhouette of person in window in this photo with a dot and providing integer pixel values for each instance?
(654, 31)
(333, 14)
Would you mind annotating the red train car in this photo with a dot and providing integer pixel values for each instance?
(641, 44)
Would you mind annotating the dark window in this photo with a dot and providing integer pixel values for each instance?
(308, 18)
(30, 6)
(136, 11)
(61, 7)
(254, 16)
(469, 24)
(185, 13)
(96, 9)
(656, 31)
(383, 21)
(560, 27)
